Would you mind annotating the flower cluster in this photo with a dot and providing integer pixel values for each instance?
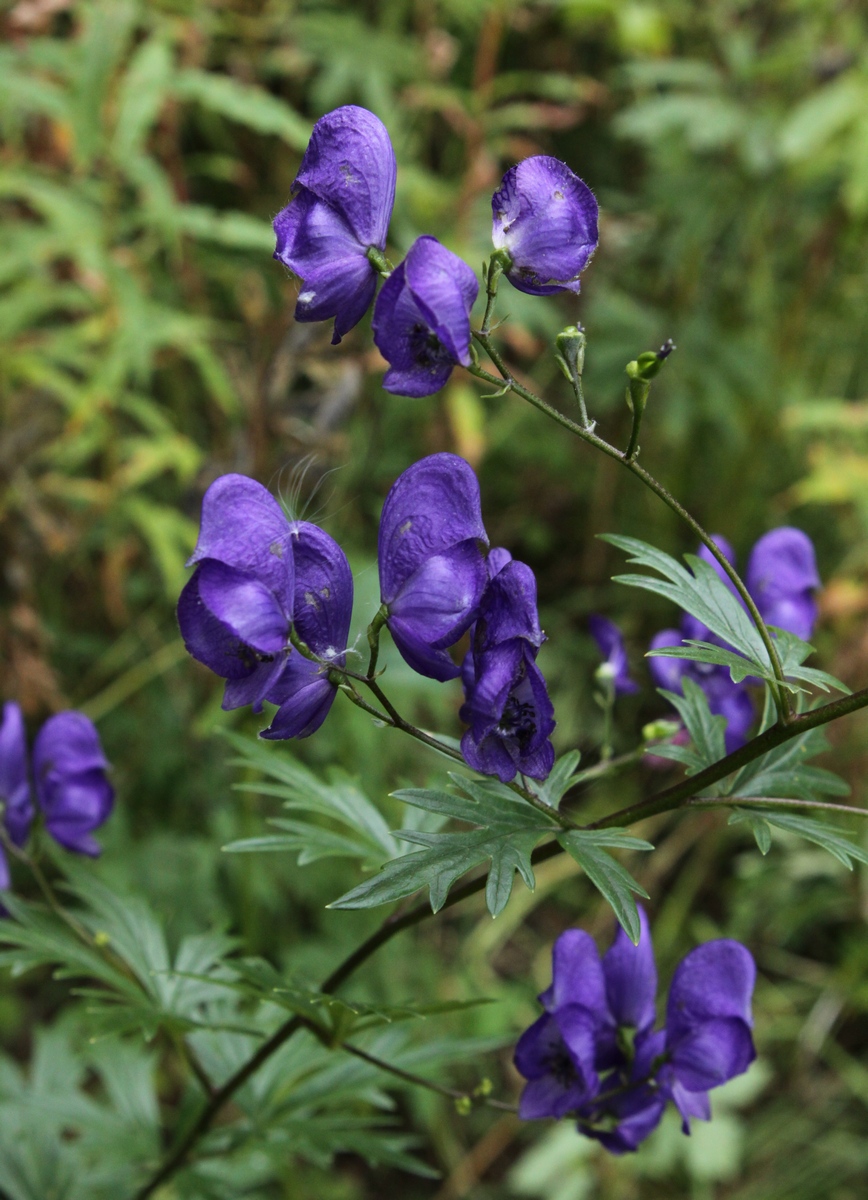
(781, 578)
(263, 582)
(332, 235)
(595, 1055)
(73, 792)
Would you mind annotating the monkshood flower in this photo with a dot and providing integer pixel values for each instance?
(14, 783)
(422, 319)
(507, 705)
(322, 611)
(610, 643)
(545, 219)
(343, 198)
(595, 1056)
(781, 577)
(431, 555)
(236, 610)
(72, 788)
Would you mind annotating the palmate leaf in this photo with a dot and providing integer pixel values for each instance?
(829, 837)
(706, 731)
(507, 832)
(699, 591)
(362, 832)
(784, 772)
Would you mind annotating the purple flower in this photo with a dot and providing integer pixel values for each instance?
(610, 643)
(545, 218)
(422, 319)
(236, 610)
(342, 202)
(14, 783)
(781, 578)
(72, 788)
(323, 607)
(509, 712)
(431, 556)
(708, 1024)
(725, 698)
(594, 1054)
(507, 705)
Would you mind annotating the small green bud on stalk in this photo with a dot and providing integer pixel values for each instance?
(570, 353)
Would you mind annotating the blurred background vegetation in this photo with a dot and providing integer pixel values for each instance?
(147, 345)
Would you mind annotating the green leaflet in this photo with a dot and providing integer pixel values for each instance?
(828, 837)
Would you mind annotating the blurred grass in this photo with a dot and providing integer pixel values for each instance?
(147, 345)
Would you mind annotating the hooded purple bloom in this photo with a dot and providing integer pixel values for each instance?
(781, 577)
(507, 705)
(323, 608)
(343, 198)
(72, 788)
(610, 643)
(708, 1024)
(14, 783)
(431, 556)
(595, 1055)
(545, 218)
(422, 319)
(236, 610)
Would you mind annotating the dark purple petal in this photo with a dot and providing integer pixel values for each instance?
(549, 1096)
(305, 696)
(546, 218)
(508, 610)
(254, 687)
(244, 605)
(714, 980)
(5, 878)
(667, 672)
(691, 1105)
(430, 508)
(420, 654)
(244, 527)
(67, 744)
(438, 602)
(577, 975)
(781, 564)
(14, 782)
(797, 614)
(208, 640)
(633, 1127)
(350, 165)
(510, 714)
(631, 978)
(71, 785)
(711, 1053)
(422, 319)
(323, 590)
(610, 643)
(556, 1055)
(729, 700)
(498, 557)
(338, 280)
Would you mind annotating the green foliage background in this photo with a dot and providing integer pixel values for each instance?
(147, 345)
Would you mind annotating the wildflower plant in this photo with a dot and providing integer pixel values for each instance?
(268, 609)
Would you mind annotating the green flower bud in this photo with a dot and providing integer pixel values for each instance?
(570, 353)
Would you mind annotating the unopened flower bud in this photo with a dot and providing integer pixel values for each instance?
(570, 353)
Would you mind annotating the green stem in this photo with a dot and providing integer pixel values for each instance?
(587, 435)
(772, 802)
(470, 1098)
(374, 637)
